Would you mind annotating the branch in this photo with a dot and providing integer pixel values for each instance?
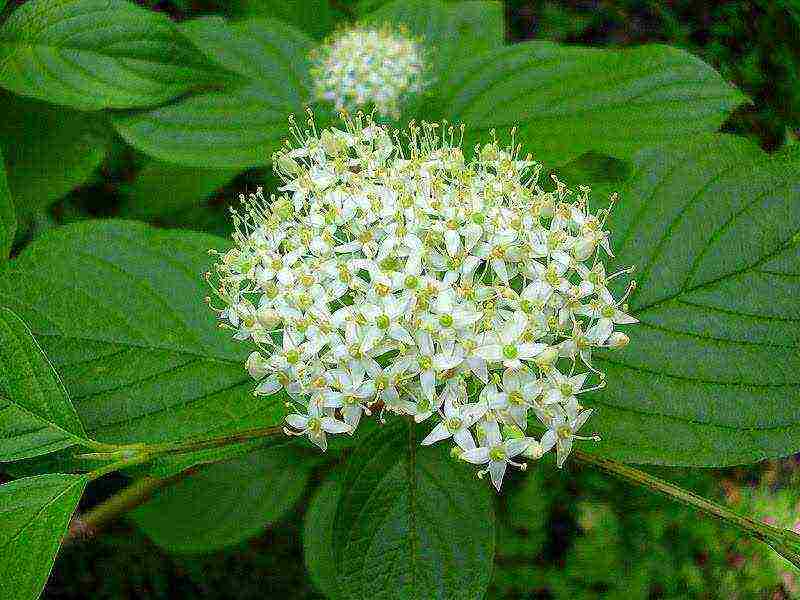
(784, 542)
(141, 490)
(88, 525)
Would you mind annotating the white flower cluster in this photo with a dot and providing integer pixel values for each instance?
(393, 275)
(363, 66)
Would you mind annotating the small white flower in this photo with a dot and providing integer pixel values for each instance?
(456, 423)
(497, 454)
(561, 433)
(511, 348)
(315, 425)
(351, 393)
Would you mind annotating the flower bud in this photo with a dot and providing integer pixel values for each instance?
(268, 317)
(256, 365)
(618, 340)
(546, 356)
(534, 450)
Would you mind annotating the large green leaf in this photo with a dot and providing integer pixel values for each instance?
(34, 515)
(49, 150)
(225, 503)
(242, 125)
(448, 31)
(569, 100)
(712, 374)
(411, 522)
(164, 189)
(319, 549)
(118, 307)
(36, 415)
(8, 217)
(94, 54)
(315, 17)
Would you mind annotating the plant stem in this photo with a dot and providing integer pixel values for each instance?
(136, 494)
(137, 454)
(240, 437)
(142, 489)
(784, 542)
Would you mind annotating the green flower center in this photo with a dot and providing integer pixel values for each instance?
(607, 312)
(351, 400)
(271, 290)
(453, 424)
(304, 301)
(478, 218)
(411, 282)
(293, 357)
(497, 453)
(389, 264)
(515, 398)
(314, 425)
(510, 352)
(446, 321)
(567, 390)
(383, 322)
(425, 362)
(564, 432)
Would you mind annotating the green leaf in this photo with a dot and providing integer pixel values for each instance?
(226, 503)
(34, 515)
(315, 18)
(448, 31)
(242, 125)
(36, 415)
(49, 150)
(94, 54)
(163, 189)
(710, 377)
(411, 522)
(569, 100)
(118, 307)
(319, 548)
(8, 218)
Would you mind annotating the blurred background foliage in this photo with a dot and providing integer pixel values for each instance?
(561, 534)
(570, 534)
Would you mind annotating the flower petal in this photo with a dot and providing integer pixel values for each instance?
(297, 421)
(440, 432)
(497, 469)
(476, 456)
(332, 425)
